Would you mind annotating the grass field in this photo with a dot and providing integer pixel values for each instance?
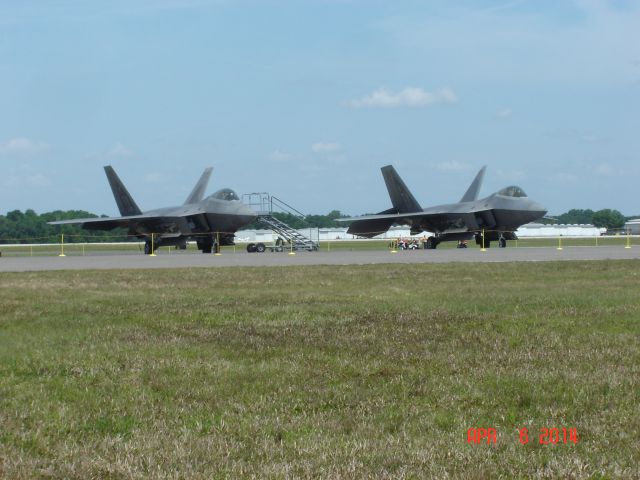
(331, 372)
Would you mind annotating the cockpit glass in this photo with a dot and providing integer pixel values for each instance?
(512, 191)
(225, 194)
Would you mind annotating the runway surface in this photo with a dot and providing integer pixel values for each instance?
(107, 260)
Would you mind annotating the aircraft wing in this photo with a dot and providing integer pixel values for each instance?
(109, 223)
(182, 222)
(372, 225)
(381, 216)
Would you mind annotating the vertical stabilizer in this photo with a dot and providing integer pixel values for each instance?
(474, 189)
(401, 198)
(126, 204)
(198, 191)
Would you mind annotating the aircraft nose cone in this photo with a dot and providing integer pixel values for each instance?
(247, 210)
(537, 210)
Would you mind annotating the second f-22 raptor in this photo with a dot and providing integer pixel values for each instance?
(211, 221)
(492, 218)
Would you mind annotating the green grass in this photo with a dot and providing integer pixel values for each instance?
(332, 372)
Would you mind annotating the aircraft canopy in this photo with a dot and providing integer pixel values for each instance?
(512, 191)
(225, 194)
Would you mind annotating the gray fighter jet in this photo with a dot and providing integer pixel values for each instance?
(499, 215)
(210, 222)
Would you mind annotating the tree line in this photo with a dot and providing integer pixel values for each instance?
(605, 218)
(29, 227)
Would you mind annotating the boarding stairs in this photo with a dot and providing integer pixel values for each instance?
(265, 205)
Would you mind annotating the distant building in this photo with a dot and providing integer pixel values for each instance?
(632, 226)
(340, 233)
(571, 230)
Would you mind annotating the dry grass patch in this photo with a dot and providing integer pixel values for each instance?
(340, 372)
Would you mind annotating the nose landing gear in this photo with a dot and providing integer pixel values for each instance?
(149, 248)
(431, 243)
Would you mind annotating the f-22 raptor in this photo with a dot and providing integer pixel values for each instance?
(211, 222)
(497, 216)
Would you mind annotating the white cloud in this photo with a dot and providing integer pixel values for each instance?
(564, 178)
(408, 97)
(504, 6)
(119, 150)
(17, 179)
(279, 156)
(325, 147)
(604, 169)
(504, 113)
(452, 166)
(153, 177)
(591, 137)
(21, 146)
(510, 175)
(10, 181)
(38, 180)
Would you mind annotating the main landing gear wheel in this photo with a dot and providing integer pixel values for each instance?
(205, 244)
(502, 242)
(432, 243)
(147, 248)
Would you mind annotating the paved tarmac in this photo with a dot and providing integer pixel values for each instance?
(177, 259)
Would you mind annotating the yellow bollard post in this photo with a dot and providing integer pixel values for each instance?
(62, 245)
(483, 249)
(394, 246)
(217, 249)
(291, 252)
(153, 247)
(559, 243)
(628, 240)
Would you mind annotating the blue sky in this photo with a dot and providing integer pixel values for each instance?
(308, 99)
